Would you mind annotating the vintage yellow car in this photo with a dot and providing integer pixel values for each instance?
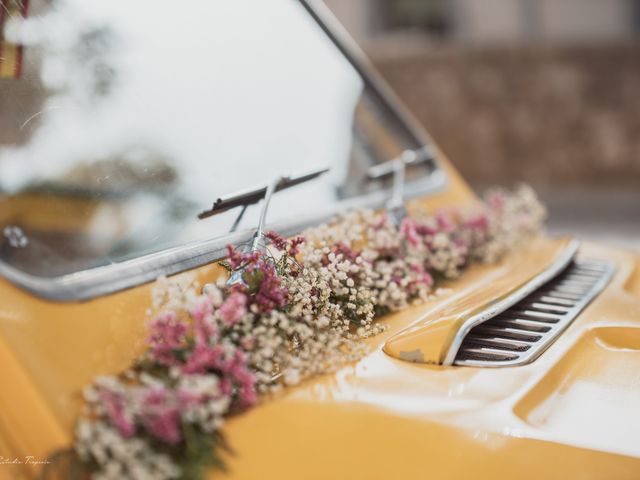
(120, 125)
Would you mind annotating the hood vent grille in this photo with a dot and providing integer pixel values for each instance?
(521, 333)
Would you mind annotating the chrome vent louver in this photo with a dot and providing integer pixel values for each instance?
(521, 333)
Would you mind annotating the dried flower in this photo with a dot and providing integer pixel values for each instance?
(302, 310)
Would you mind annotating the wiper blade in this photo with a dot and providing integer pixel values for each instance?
(254, 195)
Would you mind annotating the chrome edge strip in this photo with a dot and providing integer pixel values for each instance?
(373, 79)
(549, 337)
(100, 281)
(528, 288)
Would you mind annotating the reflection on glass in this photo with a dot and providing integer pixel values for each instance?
(132, 117)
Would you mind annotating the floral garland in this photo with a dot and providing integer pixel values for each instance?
(302, 310)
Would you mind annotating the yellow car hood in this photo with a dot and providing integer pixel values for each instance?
(569, 414)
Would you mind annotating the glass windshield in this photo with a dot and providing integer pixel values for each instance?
(120, 121)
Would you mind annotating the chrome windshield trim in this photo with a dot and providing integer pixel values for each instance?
(100, 281)
(373, 79)
(528, 288)
(96, 282)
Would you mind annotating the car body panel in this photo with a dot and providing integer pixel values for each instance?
(377, 418)
(431, 337)
(566, 415)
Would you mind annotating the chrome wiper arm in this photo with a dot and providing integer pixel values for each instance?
(253, 195)
(397, 167)
(249, 197)
(418, 156)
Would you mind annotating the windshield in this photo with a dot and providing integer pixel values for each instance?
(120, 121)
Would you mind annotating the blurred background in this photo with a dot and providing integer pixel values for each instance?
(141, 113)
(542, 91)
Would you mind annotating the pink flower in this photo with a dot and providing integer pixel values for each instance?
(271, 293)
(264, 287)
(114, 405)
(290, 247)
(294, 246)
(461, 244)
(203, 358)
(232, 367)
(277, 240)
(408, 229)
(422, 276)
(382, 222)
(348, 253)
(204, 328)
(238, 259)
(234, 307)
(167, 336)
(478, 222)
(425, 229)
(445, 224)
(203, 308)
(243, 379)
(188, 399)
(160, 415)
(496, 200)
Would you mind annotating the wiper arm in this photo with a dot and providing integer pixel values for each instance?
(251, 196)
(396, 167)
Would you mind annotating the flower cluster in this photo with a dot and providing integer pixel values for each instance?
(300, 309)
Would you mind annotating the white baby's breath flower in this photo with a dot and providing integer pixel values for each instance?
(347, 273)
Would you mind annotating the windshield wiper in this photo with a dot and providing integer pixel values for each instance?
(250, 197)
(397, 167)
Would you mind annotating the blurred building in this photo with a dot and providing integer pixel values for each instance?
(490, 21)
(543, 91)
(540, 91)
